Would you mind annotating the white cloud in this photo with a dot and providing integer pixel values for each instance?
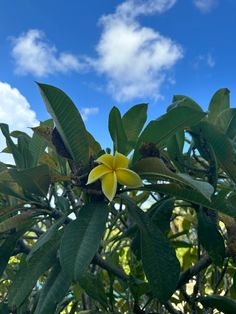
(210, 60)
(205, 5)
(135, 59)
(33, 54)
(204, 59)
(134, 8)
(88, 111)
(16, 112)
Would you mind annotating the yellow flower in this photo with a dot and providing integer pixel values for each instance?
(114, 169)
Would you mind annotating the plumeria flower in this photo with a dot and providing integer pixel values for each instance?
(113, 169)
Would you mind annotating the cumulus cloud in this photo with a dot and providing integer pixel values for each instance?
(33, 54)
(16, 112)
(205, 6)
(135, 59)
(15, 109)
(88, 111)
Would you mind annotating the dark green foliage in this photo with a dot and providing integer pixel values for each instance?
(117, 131)
(209, 235)
(167, 245)
(68, 121)
(81, 239)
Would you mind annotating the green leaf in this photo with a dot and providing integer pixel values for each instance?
(68, 121)
(46, 237)
(35, 180)
(62, 203)
(94, 146)
(45, 132)
(154, 169)
(203, 187)
(17, 134)
(183, 101)
(93, 286)
(4, 308)
(136, 245)
(221, 145)
(30, 271)
(54, 290)
(210, 237)
(23, 147)
(21, 152)
(18, 158)
(226, 121)
(38, 144)
(133, 122)
(181, 244)
(117, 131)
(3, 167)
(7, 190)
(219, 102)
(161, 213)
(159, 131)
(220, 303)
(160, 263)
(175, 150)
(233, 287)
(87, 229)
(7, 248)
(6, 150)
(93, 312)
(217, 202)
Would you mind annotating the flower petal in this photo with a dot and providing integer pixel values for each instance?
(120, 161)
(109, 185)
(107, 160)
(128, 177)
(97, 173)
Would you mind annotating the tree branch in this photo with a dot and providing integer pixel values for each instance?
(170, 308)
(185, 276)
(203, 263)
(110, 267)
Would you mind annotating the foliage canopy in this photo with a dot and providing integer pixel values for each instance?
(168, 246)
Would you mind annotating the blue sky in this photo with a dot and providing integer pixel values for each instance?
(104, 53)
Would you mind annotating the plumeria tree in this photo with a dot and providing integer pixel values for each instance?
(145, 227)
